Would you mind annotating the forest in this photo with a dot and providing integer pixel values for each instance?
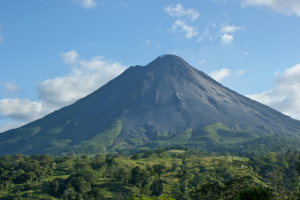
(173, 172)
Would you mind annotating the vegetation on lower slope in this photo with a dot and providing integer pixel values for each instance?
(54, 141)
(176, 172)
(97, 144)
(219, 138)
(216, 137)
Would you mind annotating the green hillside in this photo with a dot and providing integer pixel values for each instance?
(215, 137)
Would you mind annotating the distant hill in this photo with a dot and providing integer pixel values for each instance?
(164, 103)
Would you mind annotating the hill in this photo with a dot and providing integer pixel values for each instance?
(164, 103)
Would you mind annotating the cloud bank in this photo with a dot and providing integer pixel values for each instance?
(83, 78)
(22, 109)
(285, 96)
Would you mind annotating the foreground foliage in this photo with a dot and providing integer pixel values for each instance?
(164, 174)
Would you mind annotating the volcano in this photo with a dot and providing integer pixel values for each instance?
(164, 103)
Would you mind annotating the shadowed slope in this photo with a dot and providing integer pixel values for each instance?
(166, 96)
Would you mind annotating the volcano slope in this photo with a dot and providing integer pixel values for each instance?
(164, 103)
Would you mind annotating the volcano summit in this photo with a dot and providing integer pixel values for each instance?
(164, 103)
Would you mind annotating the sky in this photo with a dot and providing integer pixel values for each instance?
(54, 52)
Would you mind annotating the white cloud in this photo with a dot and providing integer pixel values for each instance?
(22, 109)
(70, 57)
(239, 72)
(10, 87)
(147, 43)
(87, 4)
(227, 38)
(8, 126)
(190, 32)
(283, 6)
(285, 96)
(205, 35)
(180, 11)
(201, 62)
(218, 75)
(84, 78)
(200, 39)
(229, 29)
(157, 46)
(246, 53)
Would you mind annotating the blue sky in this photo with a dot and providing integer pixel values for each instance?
(54, 52)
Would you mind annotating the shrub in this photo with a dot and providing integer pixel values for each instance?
(255, 193)
(135, 157)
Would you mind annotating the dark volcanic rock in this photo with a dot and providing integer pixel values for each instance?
(166, 95)
(169, 94)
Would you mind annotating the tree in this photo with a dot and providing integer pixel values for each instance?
(174, 165)
(139, 176)
(23, 178)
(99, 158)
(158, 187)
(135, 157)
(98, 161)
(211, 191)
(54, 186)
(275, 180)
(69, 193)
(99, 193)
(111, 162)
(85, 156)
(148, 154)
(160, 168)
(123, 175)
(233, 154)
(142, 197)
(244, 178)
(184, 176)
(159, 151)
(255, 193)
